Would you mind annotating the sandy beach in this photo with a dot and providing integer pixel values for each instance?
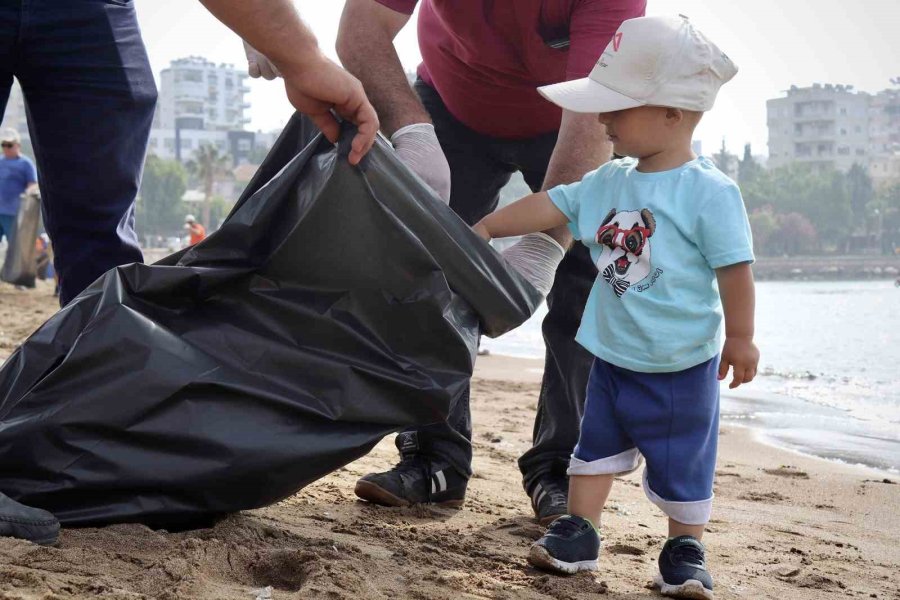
(784, 526)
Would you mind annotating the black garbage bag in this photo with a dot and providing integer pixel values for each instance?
(335, 305)
(20, 265)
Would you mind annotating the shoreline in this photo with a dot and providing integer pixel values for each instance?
(762, 434)
(852, 267)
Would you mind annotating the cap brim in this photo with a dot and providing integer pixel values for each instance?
(587, 96)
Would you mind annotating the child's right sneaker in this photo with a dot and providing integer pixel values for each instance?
(571, 544)
(682, 570)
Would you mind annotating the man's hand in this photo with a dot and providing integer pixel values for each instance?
(317, 86)
(743, 356)
(258, 65)
(418, 147)
(482, 231)
(314, 84)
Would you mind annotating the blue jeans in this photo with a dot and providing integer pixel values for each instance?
(7, 224)
(480, 166)
(90, 97)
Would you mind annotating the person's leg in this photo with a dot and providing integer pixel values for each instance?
(9, 26)
(90, 96)
(676, 425)
(7, 224)
(604, 449)
(436, 460)
(17, 520)
(567, 364)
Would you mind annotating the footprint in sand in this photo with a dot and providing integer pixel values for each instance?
(787, 471)
(625, 549)
(764, 497)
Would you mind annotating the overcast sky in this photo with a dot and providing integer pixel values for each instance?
(775, 43)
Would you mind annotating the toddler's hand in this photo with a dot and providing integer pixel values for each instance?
(482, 231)
(741, 354)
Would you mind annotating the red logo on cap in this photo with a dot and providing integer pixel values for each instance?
(617, 39)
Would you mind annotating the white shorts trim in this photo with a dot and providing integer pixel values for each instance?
(620, 464)
(689, 513)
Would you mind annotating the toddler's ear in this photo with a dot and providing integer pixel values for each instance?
(674, 116)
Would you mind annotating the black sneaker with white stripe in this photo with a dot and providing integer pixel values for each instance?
(571, 544)
(549, 497)
(415, 480)
(682, 570)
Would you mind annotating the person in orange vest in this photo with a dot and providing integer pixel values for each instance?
(198, 231)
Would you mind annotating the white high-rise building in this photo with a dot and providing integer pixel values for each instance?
(199, 94)
(823, 126)
(884, 136)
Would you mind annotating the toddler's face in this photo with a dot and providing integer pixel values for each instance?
(637, 132)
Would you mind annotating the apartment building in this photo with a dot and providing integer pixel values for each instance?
(835, 126)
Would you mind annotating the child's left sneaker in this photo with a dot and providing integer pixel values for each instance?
(571, 544)
(682, 570)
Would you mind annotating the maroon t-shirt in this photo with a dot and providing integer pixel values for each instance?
(487, 57)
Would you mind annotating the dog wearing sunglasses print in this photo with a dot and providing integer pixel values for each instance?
(624, 238)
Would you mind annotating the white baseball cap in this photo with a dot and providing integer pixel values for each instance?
(656, 61)
(10, 135)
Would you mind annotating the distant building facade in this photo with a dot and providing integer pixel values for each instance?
(835, 126)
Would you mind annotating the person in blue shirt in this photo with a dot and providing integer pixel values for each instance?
(671, 241)
(17, 176)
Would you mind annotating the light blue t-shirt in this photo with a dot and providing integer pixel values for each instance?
(15, 175)
(656, 239)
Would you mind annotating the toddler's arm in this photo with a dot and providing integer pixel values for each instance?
(738, 302)
(529, 215)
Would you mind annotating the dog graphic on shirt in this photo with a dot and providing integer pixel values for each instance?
(624, 238)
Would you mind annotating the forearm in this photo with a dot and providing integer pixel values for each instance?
(738, 300)
(273, 27)
(531, 214)
(365, 46)
(582, 147)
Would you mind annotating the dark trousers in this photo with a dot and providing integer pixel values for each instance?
(90, 96)
(480, 166)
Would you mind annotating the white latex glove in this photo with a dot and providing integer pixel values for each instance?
(418, 147)
(536, 257)
(258, 65)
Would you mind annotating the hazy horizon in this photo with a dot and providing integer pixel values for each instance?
(775, 44)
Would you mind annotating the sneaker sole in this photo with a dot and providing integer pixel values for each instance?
(691, 589)
(540, 558)
(366, 490)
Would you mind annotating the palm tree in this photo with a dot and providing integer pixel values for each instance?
(206, 166)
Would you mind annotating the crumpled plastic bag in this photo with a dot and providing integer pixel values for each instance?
(336, 304)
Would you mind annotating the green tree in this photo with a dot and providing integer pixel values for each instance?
(159, 209)
(860, 190)
(207, 166)
(764, 224)
(887, 205)
(749, 171)
(819, 195)
(795, 234)
(724, 159)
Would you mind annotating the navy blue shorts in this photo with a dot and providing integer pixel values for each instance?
(672, 419)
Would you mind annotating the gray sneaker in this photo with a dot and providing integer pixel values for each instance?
(571, 544)
(26, 523)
